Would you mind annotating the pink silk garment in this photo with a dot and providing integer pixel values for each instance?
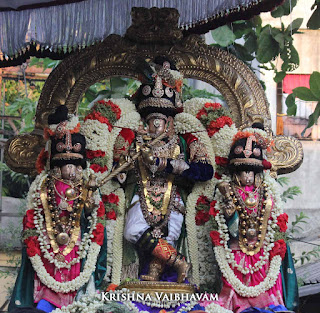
(229, 299)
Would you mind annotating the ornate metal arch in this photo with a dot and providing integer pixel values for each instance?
(117, 56)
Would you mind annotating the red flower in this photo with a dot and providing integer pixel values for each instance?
(282, 222)
(222, 161)
(127, 134)
(266, 164)
(115, 109)
(280, 248)
(33, 246)
(212, 128)
(97, 168)
(111, 215)
(101, 210)
(111, 287)
(111, 198)
(41, 160)
(202, 217)
(202, 112)
(214, 105)
(217, 176)
(215, 237)
(97, 116)
(213, 211)
(216, 125)
(98, 234)
(202, 200)
(91, 154)
(28, 220)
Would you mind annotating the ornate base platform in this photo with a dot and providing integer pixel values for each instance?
(158, 287)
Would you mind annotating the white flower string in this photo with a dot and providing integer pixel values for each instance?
(216, 308)
(222, 140)
(187, 123)
(87, 248)
(72, 285)
(224, 254)
(101, 139)
(238, 286)
(118, 239)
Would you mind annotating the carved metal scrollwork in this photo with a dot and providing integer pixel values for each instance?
(22, 151)
(118, 56)
(286, 155)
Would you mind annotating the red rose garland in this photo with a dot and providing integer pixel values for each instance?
(282, 221)
(202, 217)
(280, 248)
(214, 117)
(215, 237)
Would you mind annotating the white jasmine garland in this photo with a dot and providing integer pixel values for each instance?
(69, 286)
(126, 106)
(110, 226)
(97, 135)
(256, 130)
(187, 123)
(176, 75)
(194, 105)
(89, 304)
(216, 308)
(226, 258)
(237, 285)
(222, 140)
(206, 254)
(118, 239)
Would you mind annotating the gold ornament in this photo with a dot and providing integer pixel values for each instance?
(62, 239)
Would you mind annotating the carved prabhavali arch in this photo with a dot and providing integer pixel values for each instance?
(153, 32)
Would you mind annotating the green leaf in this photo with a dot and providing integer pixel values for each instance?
(304, 93)
(284, 9)
(241, 29)
(314, 21)
(283, 180)
(242, 53)
(280, 39)
(292, 111)
(315, 84)
(294, 26)
(223, 36)
(313, 118)
(291, 105)
(268, 48)
(251, 43)
(279, 77)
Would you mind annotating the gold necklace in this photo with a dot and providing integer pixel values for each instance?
(70, 195)
(251, 202)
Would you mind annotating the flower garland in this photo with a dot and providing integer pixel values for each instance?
(117, 249)
(89, 304)
(238, 286)
(221, 140)
(71, 285)
(37, 242)
(187, 123)
(207, 268)
(216, 308)
(121, 118)
(273, 251)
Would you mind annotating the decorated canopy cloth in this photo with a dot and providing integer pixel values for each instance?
(54, 28)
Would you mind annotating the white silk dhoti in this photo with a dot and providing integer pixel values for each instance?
(136, 225)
